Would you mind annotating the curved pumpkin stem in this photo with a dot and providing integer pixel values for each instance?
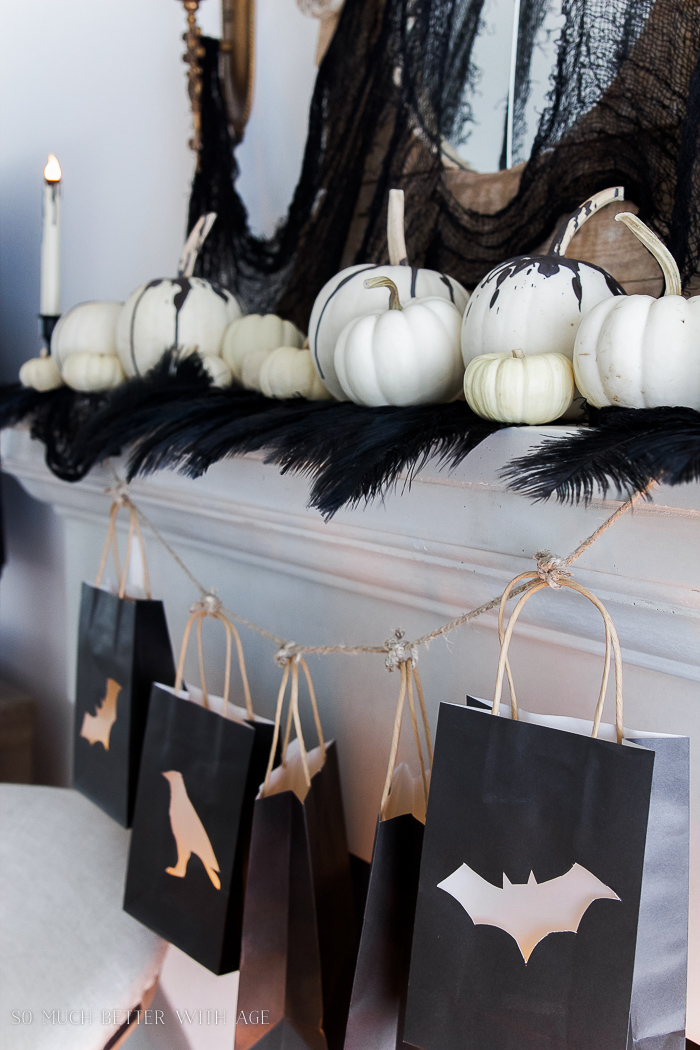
(582, 214)
(672, 277)
(395, 234)
(194, 243)
(386, 282)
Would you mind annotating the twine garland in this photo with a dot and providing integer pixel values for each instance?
(552, 570)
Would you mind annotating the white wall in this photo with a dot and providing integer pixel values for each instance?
(101, 84)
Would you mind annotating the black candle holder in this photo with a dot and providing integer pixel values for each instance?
(48, 323)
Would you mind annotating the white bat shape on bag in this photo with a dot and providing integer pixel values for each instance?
(528, 911)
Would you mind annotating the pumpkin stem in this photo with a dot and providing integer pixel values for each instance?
(582, 214)
(386, 282)
(672, 277)
(518, 353)
(193, 244)
(44, 352)
(395, 229)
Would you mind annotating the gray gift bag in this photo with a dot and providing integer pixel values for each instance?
(657, 1013)
(659, 983)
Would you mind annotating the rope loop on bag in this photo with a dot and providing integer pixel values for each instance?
(120, 498)
(291, 661)
(210, 607)
(409, 676)
(612, 647)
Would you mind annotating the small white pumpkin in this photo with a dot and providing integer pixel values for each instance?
(642, 352)
(535, 303)
(347, 295)
(289, 372)
(185, 312)
(250, 368)
(256, 332)
(404, 356)
(93, 373)
(219, 371)
(513, 388)
(41, 373)
(89, 328)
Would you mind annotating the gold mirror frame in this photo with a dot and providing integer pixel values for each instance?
(237, 61)
(236, 64)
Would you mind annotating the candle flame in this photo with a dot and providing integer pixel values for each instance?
(52, 171)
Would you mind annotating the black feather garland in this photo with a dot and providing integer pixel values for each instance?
(141, 404)
(350, 453)
(620, 448)
(56, 418)
(174, 418)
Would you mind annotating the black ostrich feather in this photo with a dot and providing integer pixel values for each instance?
(350, 453)
(55, 417)
(622, 448)
(368, 450)
(142, 403)
(17, 401)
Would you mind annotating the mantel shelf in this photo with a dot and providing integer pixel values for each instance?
(450, 541)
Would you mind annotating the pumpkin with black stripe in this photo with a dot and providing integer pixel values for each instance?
(345, 297)
(185, 313)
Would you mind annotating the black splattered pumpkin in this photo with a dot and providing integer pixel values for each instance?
(184, 312)
(535, 303)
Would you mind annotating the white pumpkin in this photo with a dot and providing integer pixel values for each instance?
(404, 356)
(289, 372)
(219, 371)
(535, 303)
(346, 296)
(642, 352)
(250, 368)
(41, 373)
(513, 388)
(89, 328)
(256, 332)
(184, 312)
(93, 373)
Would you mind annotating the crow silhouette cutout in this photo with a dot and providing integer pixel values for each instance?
(188, 831)
(97, 728)
(528, 911)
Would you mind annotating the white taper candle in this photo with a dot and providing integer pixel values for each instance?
(51, 240)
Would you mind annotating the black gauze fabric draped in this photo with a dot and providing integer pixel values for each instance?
(396, 82)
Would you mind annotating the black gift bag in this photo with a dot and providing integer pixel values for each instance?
(123, 647)
(299, 937)
(202, 763)
(378, 1000)
(531, 873)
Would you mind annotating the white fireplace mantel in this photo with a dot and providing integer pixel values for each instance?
(447, 544)
(414, 560)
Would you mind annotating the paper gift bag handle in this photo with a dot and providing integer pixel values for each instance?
(537, 580)
(291, 670)
(111, 541)
(409, 675)
(231, 633)
(611, 641)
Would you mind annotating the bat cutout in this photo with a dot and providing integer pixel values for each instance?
(97, 728)
(188, 832)
(528, 911)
